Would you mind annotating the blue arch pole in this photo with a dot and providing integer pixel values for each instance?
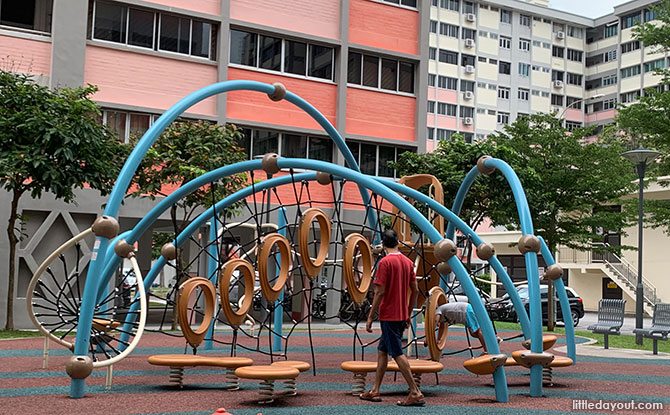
(282, 224)
(563, 300)
(531, 270)
(212, 265)
(455, 221)
(495, 263)
(98, 260)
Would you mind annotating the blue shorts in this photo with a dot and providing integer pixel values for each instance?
(471, 320)
(391, 340)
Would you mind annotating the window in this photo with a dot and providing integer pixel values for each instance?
(373, 159)
(505, 42)
(408, 3)
(575, 103)
(593, 84)
(524, 69)
(243, 48)
(630, 46)
(481, 59)
(503, 92)
(574, 79)
(523, 94)
(546, 45)
(431, 79)
(27, 14)
(630, 97)
(524, 45)
(557, 75)
(609, 80)
(444, 108)
(557, 52)
(493, 87)
(387, 74)
(504, 67)
(468, 33)
(433, 26)
(557, 100)
(610, 55)
(503, 118)
(432, 53)
(431, 107)
(575, 32)
(493, 35)
(594, 60)
(483, 33)
(650, 15)
(258, 142)
(448, 30)
(447, 56)
(524, 20)
(269, 56)
(545, 94)
(446, 82)
(443, 134)
(321, 62)
(558, 27)
(481, 111)
(575, 55)
(609, 104)
(467, 60)
(537, 43)
(535, 92)
(467, 112)
(630, 20)
(450, 5)
(431, 133)
(493, 61)
(468, 7)
(505, 16)
(127, 124)
(491, 112)
(110, 22)
(467, 86)
(572, 125)
(657, 64)
(612, 30)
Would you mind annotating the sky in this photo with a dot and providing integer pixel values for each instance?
(588, 8)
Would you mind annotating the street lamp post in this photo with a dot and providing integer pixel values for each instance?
(596, 96)
(641, 158)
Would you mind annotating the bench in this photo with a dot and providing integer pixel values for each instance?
(610, 318)
(361, 368)
(177, 363)
(267, 375)
(660, 325)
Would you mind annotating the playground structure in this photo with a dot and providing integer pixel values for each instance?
(71, 291)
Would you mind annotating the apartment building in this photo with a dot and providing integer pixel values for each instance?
(491, 62)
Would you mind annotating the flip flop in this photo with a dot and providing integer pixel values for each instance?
(367, 396)
(412, 401)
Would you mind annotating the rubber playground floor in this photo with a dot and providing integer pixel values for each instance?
(139, 388)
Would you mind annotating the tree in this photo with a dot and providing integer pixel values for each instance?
(183, 152)
(50, 141)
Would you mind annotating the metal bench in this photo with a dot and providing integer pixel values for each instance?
(660, 325)
(610, 318)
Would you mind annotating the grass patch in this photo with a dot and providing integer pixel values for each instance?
(623, 341)
(17, 334)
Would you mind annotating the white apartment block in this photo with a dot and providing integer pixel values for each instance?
(491, 62)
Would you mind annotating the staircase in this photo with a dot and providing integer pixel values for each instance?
(617, 269)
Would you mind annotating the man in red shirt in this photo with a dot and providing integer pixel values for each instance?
(394, 278)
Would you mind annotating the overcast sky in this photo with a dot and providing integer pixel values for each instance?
(588, 8)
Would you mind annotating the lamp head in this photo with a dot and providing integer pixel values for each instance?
(641, 155)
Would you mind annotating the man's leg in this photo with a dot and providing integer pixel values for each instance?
(403, 365)
(382, 362)
(480, 337)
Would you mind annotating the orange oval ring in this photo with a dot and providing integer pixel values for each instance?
(236, 318)
(436, 344)
(313, 267)
(195, 337)
(357, 292)
(271, 293)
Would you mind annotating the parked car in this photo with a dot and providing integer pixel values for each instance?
(504, 310)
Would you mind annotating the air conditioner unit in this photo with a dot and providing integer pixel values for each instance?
(469, 69)
(470, 17)
(558, 84)
(467, 121)
(468, 95)
(560, 35)
(469, 43)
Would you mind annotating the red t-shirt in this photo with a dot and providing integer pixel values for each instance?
(395, 272)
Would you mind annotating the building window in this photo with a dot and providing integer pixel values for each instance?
(505, 16)
(557, 75)
(467, 60)
(572, 125)
(630, 20)
(558, 27)
(467, 112)
(630, 46)
(505, 42)
(546, 45)
(467, 86)
(468, 7)
(650, 15)
(503, 118)
(524, 20)
(258, 142)
(431, 79)
(545, 94)
(450, 5)
(657, 64)
(408, 3)
(449, 30)
(27, 14)
(447, 56)
(504, 67)
(389, 74)
(610, 55)
(117, 23)
(524, 69)
(609, 80)
(537, 43)
(127, 125)
(523, 94)
(575, 55)
(446, 82)
(432, 53)
(593, 84)
(373, 159)
(611, 30)
(630, 97)
(557, 100)
(609, 104)
(594, 60)
(431, 133)
(295, 57)
(443, 134)
(575, 32)
(574, 79)
(433, 26)
(468, 34)
(444, 108)
(431, 107)
(503, 92)
(575, 103)
(557, 52)
(493, 61)
(524, 45)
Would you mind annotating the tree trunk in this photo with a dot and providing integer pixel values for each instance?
(13, 241)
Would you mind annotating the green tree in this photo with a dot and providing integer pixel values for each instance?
(183, 152)
(50, 141)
